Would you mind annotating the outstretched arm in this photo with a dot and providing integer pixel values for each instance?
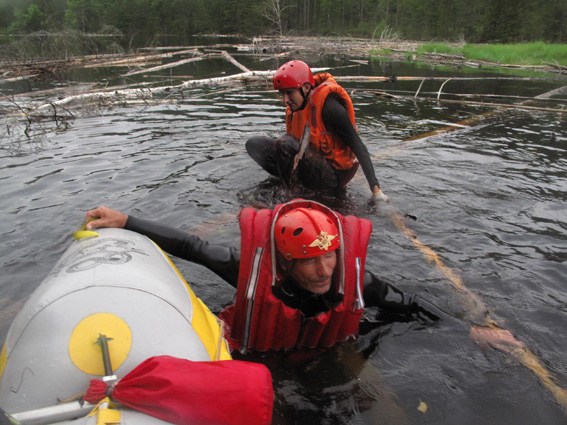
(391, 301)
(336, 120)
(222, 260)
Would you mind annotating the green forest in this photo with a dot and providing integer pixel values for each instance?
(142, 22)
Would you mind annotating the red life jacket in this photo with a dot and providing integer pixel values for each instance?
(331, 147)
(260, 321)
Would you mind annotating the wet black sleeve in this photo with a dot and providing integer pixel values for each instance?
(336, 120)
(222, 260)
(393, 302)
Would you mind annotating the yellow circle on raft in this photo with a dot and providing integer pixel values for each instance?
(86, 352)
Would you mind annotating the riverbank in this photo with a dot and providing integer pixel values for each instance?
(299, 47)
(533, 56)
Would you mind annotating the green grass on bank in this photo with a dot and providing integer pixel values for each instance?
(442, 48)
(538, 53)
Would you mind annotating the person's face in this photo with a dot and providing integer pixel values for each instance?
(315, 274)
(293, 98)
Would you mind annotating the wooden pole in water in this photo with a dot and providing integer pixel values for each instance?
(487, 330)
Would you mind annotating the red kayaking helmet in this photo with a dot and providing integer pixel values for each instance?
(305, 233)
(292, 75)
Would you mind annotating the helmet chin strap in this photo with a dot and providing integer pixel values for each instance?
(305, 97)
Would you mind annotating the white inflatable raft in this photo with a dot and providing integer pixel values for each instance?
(116, 292)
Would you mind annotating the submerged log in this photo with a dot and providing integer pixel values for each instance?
(485, 330)
(502, 105)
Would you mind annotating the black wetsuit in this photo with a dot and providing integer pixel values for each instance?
(314, 171)
(225, 262)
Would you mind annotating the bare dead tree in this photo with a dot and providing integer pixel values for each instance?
(274, 13)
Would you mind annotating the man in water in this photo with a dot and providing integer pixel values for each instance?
(321, 147)
(299, 275)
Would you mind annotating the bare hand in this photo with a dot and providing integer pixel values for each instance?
(105, 217)
(501, 339)
(379, 195)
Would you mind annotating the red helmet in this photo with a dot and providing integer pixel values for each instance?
(305, 233)
(292, 75)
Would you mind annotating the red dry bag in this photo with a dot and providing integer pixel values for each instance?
(185, 392)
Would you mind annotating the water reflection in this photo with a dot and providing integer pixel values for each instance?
(489, 200)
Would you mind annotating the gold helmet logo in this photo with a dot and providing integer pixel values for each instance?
(323, 241)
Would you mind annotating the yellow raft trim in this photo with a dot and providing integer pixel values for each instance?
(106, 413)
(3, 359)
(206, 324)
(108, 417)
(85, 234)
(84, 351)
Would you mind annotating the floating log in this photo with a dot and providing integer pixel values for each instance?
(399, 93)
(170, 65)
(20, 78)
(233, 61)
(141, 58)
(393, 78)
(167, 65)
(502, 105)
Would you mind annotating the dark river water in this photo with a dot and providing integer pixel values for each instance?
(489, 200)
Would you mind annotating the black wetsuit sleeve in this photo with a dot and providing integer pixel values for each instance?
(391, 301)
(336, 120)
(222, 260)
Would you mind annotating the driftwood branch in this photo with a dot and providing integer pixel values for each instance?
(419, 88)
(166, 66)
(96, 62)
(244, 77)
(401, 93)
(147, 91)
(170, 65)
(20, 78)
(481, 117)
(557, 92)
(502, 105)
(249, 77)
(233, 61)
(370, 79)
(441, 88)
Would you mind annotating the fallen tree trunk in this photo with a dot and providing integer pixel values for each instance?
(406, 93)
(478, 118)
(14, 79)
(166, 66)
(500, 105)
(233, 61)
(140, 58)
(393, 78)
(137, 94)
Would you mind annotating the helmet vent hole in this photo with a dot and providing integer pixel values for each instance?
(298, 231)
